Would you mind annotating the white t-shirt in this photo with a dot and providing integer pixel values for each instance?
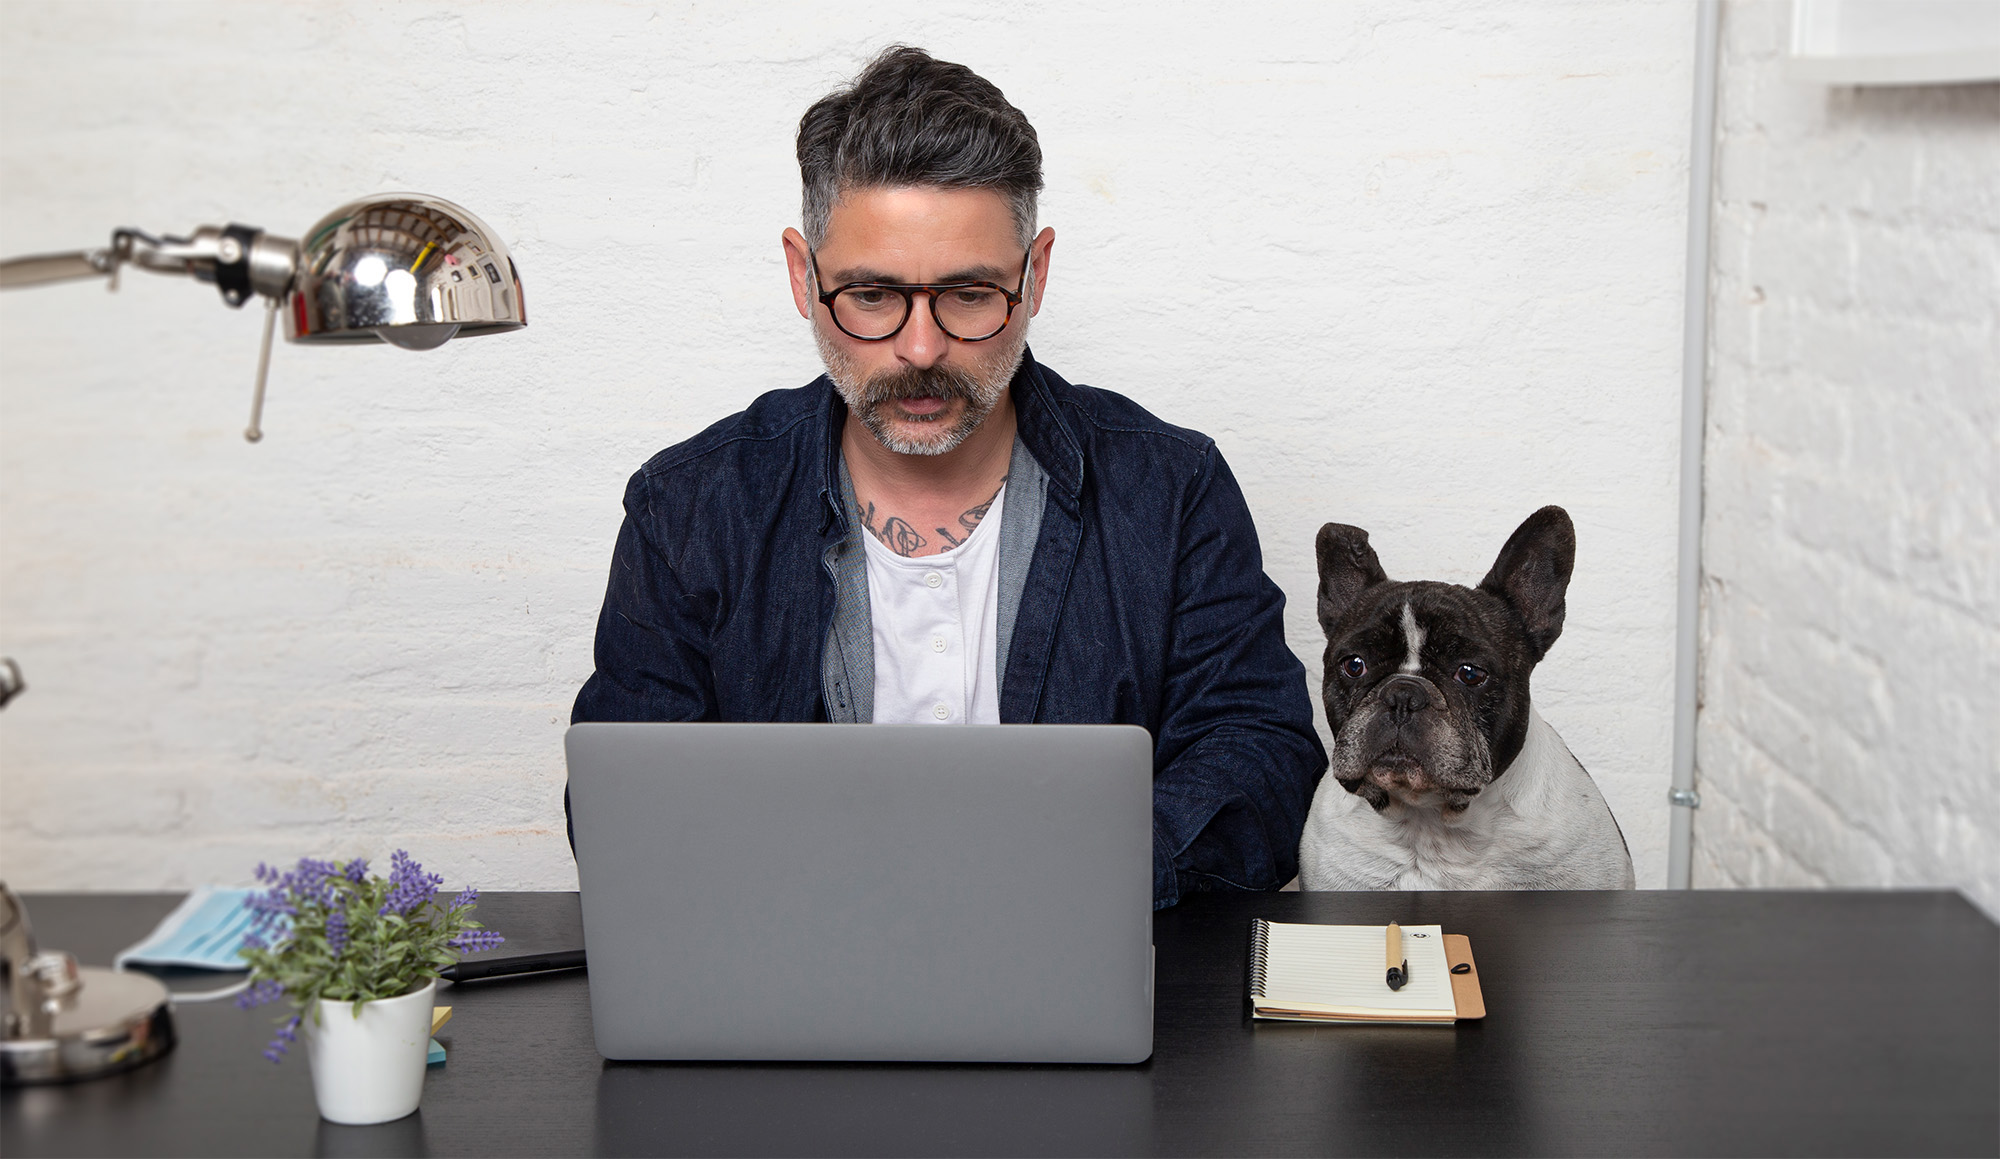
(936, 624)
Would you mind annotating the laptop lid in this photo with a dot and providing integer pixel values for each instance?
(972, 893)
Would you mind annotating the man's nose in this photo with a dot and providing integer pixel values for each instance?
(920, 342)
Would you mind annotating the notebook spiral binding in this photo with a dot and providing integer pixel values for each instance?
(1260, 953)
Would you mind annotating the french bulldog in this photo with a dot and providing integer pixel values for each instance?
(1443, 776)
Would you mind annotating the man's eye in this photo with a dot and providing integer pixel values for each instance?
(1471, 675)
(870, 299)
(973, 299)
(1354, 667)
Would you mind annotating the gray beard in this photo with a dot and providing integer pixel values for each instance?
(869, 398)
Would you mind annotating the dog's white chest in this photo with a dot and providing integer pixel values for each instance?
(1540, 825)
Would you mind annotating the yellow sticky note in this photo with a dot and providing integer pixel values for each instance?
(439, 1016)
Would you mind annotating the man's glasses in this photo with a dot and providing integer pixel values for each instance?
(877, 311)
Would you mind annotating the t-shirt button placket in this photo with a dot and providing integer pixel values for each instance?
(933, 579)
(941, 711)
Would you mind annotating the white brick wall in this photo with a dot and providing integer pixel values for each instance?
(1850, 731)
(1415, 269)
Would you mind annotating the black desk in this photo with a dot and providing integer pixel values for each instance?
(1636, 1023)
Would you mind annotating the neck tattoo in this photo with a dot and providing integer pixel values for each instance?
(897, 534)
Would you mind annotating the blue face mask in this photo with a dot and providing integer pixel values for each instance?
(204, 931)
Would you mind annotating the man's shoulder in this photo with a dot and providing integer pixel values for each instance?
(776, 424)
(1108, 422)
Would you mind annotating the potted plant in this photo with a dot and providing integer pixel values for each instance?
(357, 956)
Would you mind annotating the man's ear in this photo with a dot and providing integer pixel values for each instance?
(798, 265)
(1532, 574)
(1347, 567)
(1038, 267)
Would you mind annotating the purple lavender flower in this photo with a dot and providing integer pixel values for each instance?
(269, 907)
(308, 883)
(287, 1035)
(357, 870)
(465, 897)
(261, 991)
(474, 941)
(336, 932)
(313, 881)
(409, 886)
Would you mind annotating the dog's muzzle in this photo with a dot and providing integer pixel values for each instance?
(1405, 744)
(1404, 695)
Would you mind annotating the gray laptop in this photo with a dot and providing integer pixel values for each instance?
(866, 892)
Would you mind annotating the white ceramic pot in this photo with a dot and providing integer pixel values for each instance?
(370, 1069)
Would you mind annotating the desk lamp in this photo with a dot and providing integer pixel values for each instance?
(401, 268)
(64, 1021)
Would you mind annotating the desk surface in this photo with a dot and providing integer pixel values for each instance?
(1729, 1023)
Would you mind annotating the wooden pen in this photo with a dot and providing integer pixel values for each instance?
(1399, 966)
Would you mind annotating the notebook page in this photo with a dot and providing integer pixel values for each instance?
(1345, 966)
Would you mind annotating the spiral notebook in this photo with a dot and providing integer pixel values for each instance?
(1323, 973)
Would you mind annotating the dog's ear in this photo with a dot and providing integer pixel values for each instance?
(1532, 574)
(1347, 567)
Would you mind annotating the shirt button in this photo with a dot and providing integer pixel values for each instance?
(933, 579)
(941, 711)
(937, 643)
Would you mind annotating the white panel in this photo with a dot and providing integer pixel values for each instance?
(1894, 41)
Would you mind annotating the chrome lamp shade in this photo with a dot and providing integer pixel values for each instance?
(410, 270)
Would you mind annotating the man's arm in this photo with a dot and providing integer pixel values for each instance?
(1240, 757)
(651, 653)
(652, 649)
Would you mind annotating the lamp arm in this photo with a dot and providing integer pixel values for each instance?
(39, 269)
(239, 260)
(169, 255)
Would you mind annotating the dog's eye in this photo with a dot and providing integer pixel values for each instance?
(1471, 675)
(1354, 667)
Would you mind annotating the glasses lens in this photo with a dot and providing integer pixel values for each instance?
(973, 312)
(867, 312)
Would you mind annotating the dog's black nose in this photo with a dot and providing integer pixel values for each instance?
(1405, 695)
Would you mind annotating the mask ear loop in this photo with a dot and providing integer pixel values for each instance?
(179, 996)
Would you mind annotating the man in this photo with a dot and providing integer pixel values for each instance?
(942, 530)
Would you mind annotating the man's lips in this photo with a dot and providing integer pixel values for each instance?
(925, 405)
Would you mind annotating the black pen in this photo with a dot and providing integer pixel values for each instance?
(1399, 966)
(519, 964)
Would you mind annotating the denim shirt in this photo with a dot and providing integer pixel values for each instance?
(1142, 601)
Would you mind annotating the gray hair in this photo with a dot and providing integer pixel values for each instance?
(909, 119)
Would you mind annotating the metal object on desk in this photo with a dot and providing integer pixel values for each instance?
(401, 268)
(11, 684)
(65, 1022)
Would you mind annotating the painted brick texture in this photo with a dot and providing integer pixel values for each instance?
(1850, 727)
(1418, 271)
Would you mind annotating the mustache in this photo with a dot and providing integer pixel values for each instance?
(936, 381)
